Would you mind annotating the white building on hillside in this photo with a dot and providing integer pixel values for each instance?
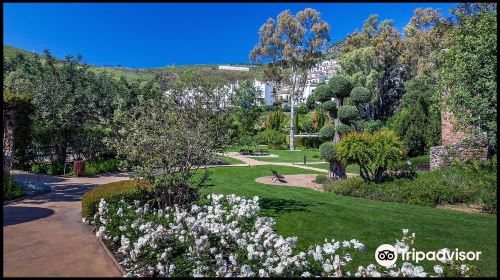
(233, 68)
(321, 73)
(266, 92)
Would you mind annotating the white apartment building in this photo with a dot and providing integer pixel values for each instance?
(233, 68)
(266, 92)
(321, 73)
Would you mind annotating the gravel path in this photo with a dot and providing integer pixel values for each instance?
(44, 235)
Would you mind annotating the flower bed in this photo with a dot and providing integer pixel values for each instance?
(224, 236)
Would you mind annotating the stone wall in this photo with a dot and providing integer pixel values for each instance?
(467, 149)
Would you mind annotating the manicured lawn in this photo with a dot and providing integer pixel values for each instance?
(313, 216)
(230, 159)
(285, 155)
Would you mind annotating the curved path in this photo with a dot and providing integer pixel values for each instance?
(44, 235)
(254, 162)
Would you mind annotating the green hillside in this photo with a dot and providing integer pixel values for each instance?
(146, 74)
(10, 52)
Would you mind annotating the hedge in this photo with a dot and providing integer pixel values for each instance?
(129, 190)
(449, 185)
(306, 142)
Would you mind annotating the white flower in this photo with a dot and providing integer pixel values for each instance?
(438, 269)
(464, 268)
(443, 255)
(405, 231)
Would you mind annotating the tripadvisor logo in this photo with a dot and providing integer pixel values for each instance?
(387, 255)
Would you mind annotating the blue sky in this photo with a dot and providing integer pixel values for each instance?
(156, 35)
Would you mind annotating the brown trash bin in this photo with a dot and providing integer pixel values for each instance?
(78, 167)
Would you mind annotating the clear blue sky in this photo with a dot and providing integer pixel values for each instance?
(155, 35)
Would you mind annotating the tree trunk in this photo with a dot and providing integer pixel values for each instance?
(379, 174)
(60, 147)
(337, 170)
(336, 121)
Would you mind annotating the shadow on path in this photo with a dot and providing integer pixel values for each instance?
(18, 215)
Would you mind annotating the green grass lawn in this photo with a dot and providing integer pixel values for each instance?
(285, 155)
(313, 216)
(230, 159)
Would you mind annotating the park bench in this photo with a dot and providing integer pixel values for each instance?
(278, 177)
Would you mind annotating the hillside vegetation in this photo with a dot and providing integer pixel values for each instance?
(169, 72)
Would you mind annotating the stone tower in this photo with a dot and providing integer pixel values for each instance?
(456, 144)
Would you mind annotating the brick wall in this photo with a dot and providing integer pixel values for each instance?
(448, 135)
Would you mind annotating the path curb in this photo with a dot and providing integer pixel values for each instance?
(112, 257)
(15, 200)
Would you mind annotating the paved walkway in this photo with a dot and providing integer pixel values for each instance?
(44, 235)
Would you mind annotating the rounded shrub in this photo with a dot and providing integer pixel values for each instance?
(343, 129)
(329, 106)
(129, 190)
(360, 95)
(323, 93)
(347, 113)
(328, 151)
(321, 179)
(327, 131)
(372, 126)
(340, 86)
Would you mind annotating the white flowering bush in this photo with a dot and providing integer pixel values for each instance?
(226, 238)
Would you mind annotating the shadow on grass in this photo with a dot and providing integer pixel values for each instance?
(280, 205)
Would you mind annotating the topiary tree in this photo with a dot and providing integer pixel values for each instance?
(328, 152)
(340, 88)
(327, 131)
(348, 114)
(323, 93)
(330, 106)
(343, 129)
(360, 95)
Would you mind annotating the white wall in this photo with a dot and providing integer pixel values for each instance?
(234, 68)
